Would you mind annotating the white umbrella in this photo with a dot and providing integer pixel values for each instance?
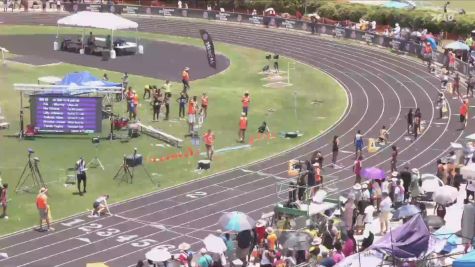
(320, 196)
(445, 195)
(158, 255)
(236, 221)
(470, 137)
(430, 182)
(214, 244)
(184, 246)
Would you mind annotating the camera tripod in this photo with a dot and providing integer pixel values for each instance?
(95, 162)
(126, 173)
(30, 170)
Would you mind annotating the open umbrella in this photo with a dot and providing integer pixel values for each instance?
(434, 221)
(430, 183)
(214, 244)
(406, 211)
(236, 221)
(320, 196)
(158, 255)
(373, 173)
(457, 46)
(296, 240)
(445, 195)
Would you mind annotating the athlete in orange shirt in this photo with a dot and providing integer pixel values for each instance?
(185, 78)
(242, 127)
(204, 105)
(464, 114)
(191, 114)
(246, 99)
(209, 143)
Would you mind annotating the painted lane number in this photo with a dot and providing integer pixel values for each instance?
(108, 232)
(90, 227)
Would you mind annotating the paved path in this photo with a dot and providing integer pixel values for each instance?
(381, 88)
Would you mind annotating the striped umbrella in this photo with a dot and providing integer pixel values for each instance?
(236, 221)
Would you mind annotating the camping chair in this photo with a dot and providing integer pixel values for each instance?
(70, 176)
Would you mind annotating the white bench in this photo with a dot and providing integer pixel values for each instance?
(170, 139)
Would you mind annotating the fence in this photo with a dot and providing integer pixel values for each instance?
(406, 44)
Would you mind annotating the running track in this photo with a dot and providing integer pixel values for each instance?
(381, 88)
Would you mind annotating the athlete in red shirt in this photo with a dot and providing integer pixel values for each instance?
(191, 114)
(242, 127)
(204, 105)
(246, 99)
(464, 114)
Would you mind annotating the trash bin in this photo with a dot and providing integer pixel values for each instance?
(55, 46)
(81, 51)
(105, 55)
(141, 49)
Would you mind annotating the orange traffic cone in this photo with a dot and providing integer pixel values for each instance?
(251, 140)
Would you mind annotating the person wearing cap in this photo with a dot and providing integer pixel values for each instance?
(385, 212)
(185, 255)
(246, 100)
(356, 191)
(43, 207)
(205, 260)
(242, 127)
(185, 78)
(260, 231)
(81, 174)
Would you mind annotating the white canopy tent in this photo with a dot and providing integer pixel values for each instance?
(89, 19)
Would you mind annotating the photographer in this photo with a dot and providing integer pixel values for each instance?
(81, 174)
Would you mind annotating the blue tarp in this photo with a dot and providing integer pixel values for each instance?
(409, 241)
(468, 260)
(86, 79)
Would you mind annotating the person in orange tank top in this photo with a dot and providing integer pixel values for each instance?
(242, 127)
(185, 78)
(43, 207)
(209, 143)
(204, 105)
(191, 114)
(246, 99)
(464, 114)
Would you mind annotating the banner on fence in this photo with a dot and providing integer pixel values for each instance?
(209, 46)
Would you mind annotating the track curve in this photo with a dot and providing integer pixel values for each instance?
(380, 86)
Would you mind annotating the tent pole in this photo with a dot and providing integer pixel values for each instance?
(136, 40)
(57, 32)
(112, 39)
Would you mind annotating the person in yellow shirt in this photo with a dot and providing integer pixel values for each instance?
(271, 238)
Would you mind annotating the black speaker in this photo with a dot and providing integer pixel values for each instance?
(291, 134)
(132, 161)
(204, 164)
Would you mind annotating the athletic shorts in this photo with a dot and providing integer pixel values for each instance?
(462, 118)
(191, 118)
(96, 204)
(43, 213)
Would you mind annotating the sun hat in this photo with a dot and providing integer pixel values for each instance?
(316, 164)
(243, 114)
(269, 230)
(357, 186)
(260, 223)
(43, 190)
(187, 68)
(184, 246)
(364, 186)
(203, 251)
(415, 170)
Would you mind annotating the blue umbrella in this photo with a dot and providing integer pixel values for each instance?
(406, 211)
(236, 221)
(457, 46)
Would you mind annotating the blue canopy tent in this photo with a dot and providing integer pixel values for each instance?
(468, 260)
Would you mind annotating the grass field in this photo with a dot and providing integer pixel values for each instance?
(57, 153)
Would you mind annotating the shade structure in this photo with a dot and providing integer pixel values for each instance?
(457, 46)
(468, 260)
(295, 240)
(373, 173)
(214, 244)
(236, 221)
(97, 264)
(445, 195)
(408, 241)
(406, 211)
(88, 19)
(158, 255)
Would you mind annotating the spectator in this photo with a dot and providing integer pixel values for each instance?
(242, 127)
(385, 212)
(271, 238)
(243, 239)
(180, 4)
(185, 78)
(406, 178)
(182, 100)
(205, 260)
(43, 209)
(349, 247)
(326, 260)
(229, 246)
(398, 194)
(267, 257)
(246, 100)
(4, 200)
(368, 238)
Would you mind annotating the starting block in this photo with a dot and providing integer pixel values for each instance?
(372, 148)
